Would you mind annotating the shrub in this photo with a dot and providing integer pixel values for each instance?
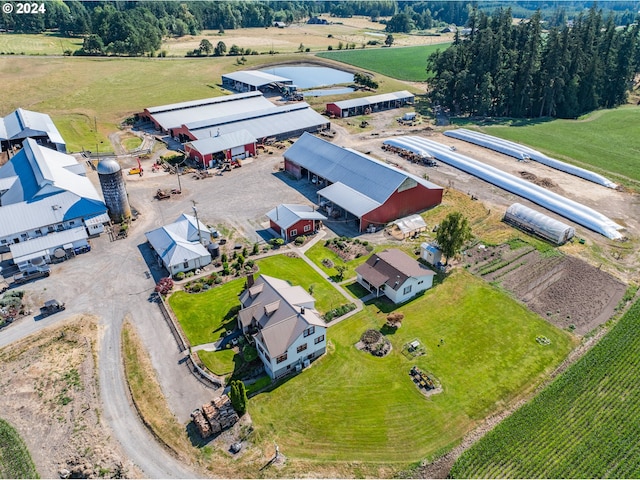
(196, 287)
(300, 240)
(179, 276)
(164, 286)
(217, 280)
(256, 249)
(327, 263)
(276, 242)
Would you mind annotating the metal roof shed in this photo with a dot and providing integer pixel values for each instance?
(45, 246)
(22, 124)
(372, 103)
(251, 80)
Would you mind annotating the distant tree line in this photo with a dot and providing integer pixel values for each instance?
(514, 70)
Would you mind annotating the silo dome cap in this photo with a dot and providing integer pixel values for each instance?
(107, 166)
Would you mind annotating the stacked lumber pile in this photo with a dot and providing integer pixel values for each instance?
(218, 415)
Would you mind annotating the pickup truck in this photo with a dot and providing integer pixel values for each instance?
(31, 274)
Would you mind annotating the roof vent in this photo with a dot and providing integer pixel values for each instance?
(302, 310)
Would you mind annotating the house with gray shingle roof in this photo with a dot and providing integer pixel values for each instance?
(395, 274)
(282, 319)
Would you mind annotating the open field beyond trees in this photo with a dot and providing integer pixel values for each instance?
(488, 357)
(407, 63)
(562, 433)
(605, 140)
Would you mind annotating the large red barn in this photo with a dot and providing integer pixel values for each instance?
(358, 187)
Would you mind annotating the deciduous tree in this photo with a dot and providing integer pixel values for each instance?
(454, 231)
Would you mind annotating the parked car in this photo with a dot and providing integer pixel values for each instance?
(50, 307)
(32, 273)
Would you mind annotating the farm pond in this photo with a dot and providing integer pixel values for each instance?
(306, 77)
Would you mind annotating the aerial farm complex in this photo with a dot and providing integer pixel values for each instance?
(293, 285)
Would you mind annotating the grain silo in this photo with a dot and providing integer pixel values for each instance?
(114, 190)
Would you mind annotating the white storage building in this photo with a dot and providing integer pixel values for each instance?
(539, 224)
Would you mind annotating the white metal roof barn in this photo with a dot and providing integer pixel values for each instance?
(21, 124)
(278, 122)
(563, 206)
(522, 152)
(171, 116)
(251, 80)
(538, 223)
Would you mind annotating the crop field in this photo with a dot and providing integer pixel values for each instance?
(353, 406)
(605, 141)
(584, 425)
(407, 63)
(15, 461)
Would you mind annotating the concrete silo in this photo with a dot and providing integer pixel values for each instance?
(113, 189)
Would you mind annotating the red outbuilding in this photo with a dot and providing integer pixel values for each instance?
(290, 221)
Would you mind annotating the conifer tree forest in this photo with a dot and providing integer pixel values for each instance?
(517, 70)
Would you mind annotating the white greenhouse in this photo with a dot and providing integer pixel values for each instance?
(538, 223)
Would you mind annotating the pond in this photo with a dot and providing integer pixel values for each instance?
(309, 77)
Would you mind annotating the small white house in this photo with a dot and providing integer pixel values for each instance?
(395, 274)
(282, 319)
(181, 245)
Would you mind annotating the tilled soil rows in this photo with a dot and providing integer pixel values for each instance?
(566, 291)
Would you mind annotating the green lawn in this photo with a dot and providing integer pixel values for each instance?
(297, 272)
(319, 252)
(351, 406)
(584, 425)
(131, 143)
(205, 316)
(606, 141)
(220, 362)
(404, 63)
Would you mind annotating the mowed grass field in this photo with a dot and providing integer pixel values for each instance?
(43, 44)
(606, 140)
(353, 407)
(406, 63)
(584, 425)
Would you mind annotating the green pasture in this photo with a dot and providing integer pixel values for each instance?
(605, 141)
(403, 63)
(15, 460)
(297, 272)
(350, 406)
(45, 44)
(584, 425)
(205, 317)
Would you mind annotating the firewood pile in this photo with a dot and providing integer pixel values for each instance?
(214, 417)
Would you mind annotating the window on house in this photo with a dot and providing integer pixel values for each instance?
(406, 290)
(420, 282)
(309, 331)
(302, 348)
(185, 264)
(307, 228)
(320, 339)
(72, 222)
(38, 232)
(281, 358)
(51, 229)
(293, 232)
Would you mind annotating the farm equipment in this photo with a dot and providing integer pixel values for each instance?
(136, 170)
(162, 195)
(50, 307)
